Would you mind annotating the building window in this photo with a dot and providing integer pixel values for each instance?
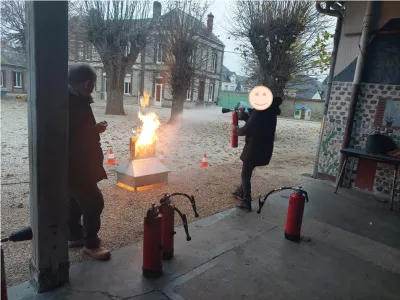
(159, 53)
(189, 94)
(128, 49)
(211, 92)
(214, 62)
(127, 86)
(2, 78)
(226, 87)
(17, 79)
(87, 51)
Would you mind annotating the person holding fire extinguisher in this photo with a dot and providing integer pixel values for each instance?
(259, 131)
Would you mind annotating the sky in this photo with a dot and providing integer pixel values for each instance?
(220, 10)
(233, 61)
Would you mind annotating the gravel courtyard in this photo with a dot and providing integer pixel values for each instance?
(203, 131)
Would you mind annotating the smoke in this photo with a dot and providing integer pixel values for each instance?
(194, 123)
(201, 114)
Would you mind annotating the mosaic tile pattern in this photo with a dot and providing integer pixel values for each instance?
(363, 126)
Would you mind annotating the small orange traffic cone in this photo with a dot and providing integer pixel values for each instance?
(162, 157)
(111, 159)
(204, 163)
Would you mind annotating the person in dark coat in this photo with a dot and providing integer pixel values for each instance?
(259, 145)
(85, 164)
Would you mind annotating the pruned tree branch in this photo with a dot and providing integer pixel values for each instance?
(276, 39)
(182, 33)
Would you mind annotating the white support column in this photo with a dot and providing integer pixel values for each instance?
(47, 36)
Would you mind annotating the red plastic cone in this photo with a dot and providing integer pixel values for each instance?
(111, 159)
(204, 163)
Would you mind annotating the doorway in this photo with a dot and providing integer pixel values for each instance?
(158, 94)
(202, 85)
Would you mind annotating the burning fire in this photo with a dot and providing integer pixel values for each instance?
(150, 124)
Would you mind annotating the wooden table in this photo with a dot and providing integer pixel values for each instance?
(380, 158)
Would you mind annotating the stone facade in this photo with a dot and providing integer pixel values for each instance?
(150, 72)
(365, 123)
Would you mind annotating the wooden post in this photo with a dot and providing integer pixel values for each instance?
(47, 36)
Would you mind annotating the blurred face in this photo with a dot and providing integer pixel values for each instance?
(260, 97)
(87, 87)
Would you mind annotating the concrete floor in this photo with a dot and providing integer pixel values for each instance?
(354, 253)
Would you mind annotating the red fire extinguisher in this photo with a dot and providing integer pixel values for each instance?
(295, 211)
(294, 217)
(167, 209)
(235, 122)
(152, 243)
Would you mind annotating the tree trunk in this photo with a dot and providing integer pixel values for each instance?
(115, 94)
(177, 108)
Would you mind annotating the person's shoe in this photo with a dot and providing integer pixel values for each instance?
(99, 253)
(244, 205)
(75, 244)
(237, 194)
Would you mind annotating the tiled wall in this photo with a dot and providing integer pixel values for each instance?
(363, 126)
(335, 123)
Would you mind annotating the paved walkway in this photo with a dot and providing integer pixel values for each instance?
(354, 253)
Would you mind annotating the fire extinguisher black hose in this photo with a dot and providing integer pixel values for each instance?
(185, 224)
(262, 202)
(191, 199)
(20, 235)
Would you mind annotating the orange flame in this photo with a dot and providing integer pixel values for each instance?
(150, 124)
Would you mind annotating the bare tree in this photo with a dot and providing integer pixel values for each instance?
(181, 31)
(13, 24)
(280, 39)
(119, 31)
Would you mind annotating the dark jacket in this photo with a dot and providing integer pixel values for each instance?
(260, 134)
(85, 153)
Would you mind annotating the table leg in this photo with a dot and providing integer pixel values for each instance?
(341, 174)
(351, 170)
(393, 187)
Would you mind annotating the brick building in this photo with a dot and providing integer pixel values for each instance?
(378, 99)
(149, 72)
(14, 75)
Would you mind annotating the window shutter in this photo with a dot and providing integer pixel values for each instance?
(155, 51)
(13, 80)
(163, 47)
(163, 81)
(153, 88)
(380, 112)
(22, 82)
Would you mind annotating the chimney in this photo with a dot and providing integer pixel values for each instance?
(156, 9)
(210, 23)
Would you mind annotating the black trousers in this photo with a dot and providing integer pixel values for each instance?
(245, 188)
(85, 201)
